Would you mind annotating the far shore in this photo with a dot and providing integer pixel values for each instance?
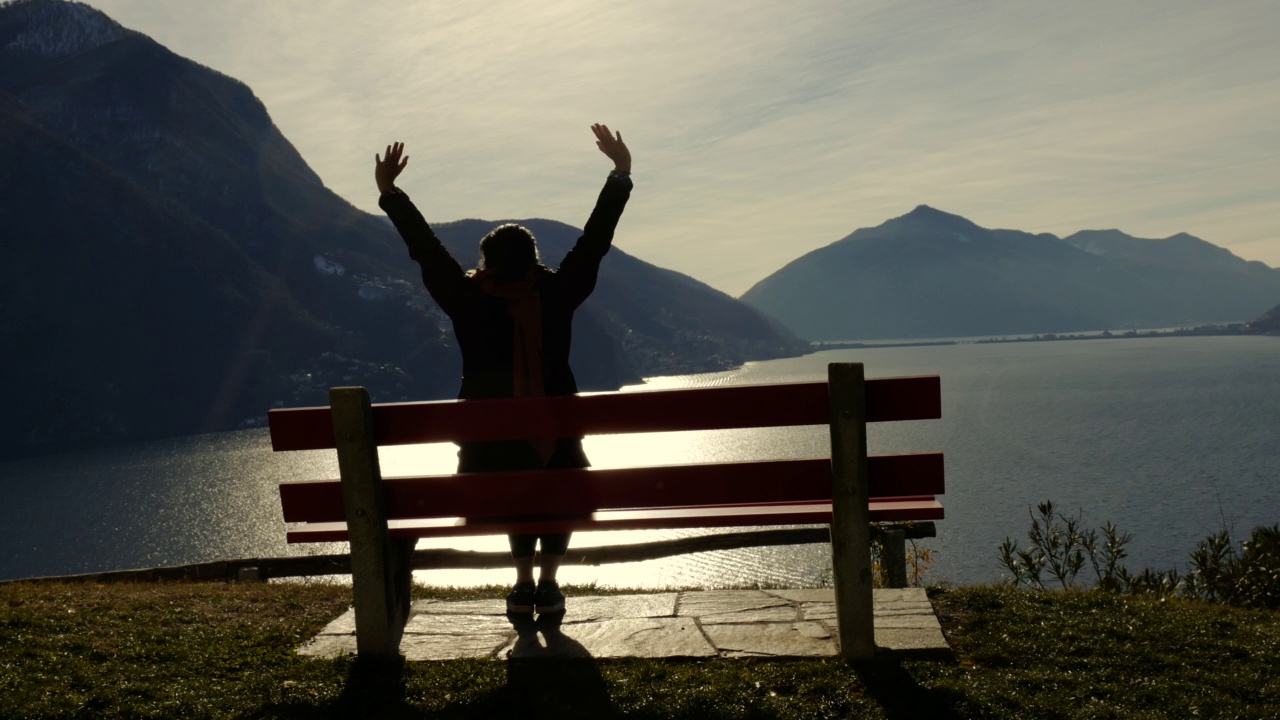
(1197, 331)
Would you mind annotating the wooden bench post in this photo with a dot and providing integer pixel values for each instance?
(380, 570)
(893, 556)
(850, 511)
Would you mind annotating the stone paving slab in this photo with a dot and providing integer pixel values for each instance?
(451, 647)
(329, 646)
(818, 611)
(827, 611)
(624, 637)
(793, 639)
(496, 606)
(735, 606)
(723, 623)
(429, 624)
(605, 607)
(900, 639)
(344, 624)
(806, 596)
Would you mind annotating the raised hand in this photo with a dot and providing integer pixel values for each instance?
(386, 170)
(613, 147)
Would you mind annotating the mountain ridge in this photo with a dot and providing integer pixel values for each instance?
(931, 273)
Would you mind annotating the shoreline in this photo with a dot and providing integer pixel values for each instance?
(1231, 329)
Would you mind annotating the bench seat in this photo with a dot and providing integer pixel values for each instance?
(699, 516)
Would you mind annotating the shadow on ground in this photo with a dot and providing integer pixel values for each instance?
(549, 674)
(897, 692)
(546, 679)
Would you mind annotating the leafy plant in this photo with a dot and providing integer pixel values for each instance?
(919, 559)
(1219, 572)
(1259, 584)
(1211, 562)
(1249, 577)
(1057, 546)
(1162, 584)
(1106, 559)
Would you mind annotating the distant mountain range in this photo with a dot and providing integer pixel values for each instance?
(933, 274)
(172, 265)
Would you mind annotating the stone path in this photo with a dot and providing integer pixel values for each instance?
(711, 623)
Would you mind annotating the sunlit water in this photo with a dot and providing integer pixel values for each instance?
(1170, 438)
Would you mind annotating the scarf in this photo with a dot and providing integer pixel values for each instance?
(524, 303)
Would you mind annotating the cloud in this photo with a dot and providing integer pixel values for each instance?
(763, 130)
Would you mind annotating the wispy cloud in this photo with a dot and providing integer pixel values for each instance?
(763, 130)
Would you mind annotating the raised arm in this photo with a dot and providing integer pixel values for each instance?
(443, 276)
(581, 266)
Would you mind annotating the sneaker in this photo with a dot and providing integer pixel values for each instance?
(548, 598)
(520, 599)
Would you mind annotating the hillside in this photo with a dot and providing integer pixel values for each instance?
(176, 266)
(1268, 323)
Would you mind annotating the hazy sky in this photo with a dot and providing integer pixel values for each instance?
(762, 130)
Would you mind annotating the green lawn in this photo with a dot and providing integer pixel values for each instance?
(215, 650)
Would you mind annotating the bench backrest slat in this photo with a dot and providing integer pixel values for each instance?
(749, 406)
(572, 492)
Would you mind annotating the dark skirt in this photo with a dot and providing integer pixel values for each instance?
(514, 455)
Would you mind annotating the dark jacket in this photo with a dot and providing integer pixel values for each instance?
(482, 322)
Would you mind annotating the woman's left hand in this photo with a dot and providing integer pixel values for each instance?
(386, 170)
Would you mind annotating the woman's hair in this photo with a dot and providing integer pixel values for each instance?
(508, 249)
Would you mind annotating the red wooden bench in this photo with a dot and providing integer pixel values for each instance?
(383, 517)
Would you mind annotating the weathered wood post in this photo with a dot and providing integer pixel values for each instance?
(379, 565)
(893, 556)
(850, 512)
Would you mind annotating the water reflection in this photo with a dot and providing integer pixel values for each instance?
(1170, 438)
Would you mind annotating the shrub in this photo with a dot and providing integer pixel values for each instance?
(1059, 547)
(1249, 577)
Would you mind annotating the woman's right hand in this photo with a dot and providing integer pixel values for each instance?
(613, 147)
(386, 170)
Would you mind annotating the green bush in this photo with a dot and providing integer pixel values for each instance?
(1059, 549)
(1248, 578)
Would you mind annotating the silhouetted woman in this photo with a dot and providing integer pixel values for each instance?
(513, 317)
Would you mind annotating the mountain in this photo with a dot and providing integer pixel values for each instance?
(172, 265)
(1179, 252)
(1195, 273)
(933, 274)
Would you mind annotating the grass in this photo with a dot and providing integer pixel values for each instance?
(226, 651)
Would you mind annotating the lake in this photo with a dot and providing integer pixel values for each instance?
(1170, 438)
